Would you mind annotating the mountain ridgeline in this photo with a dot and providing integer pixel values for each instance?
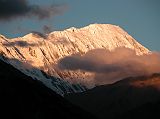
(37, 55)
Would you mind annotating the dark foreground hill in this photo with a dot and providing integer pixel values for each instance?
(130, 98)
(21, 97)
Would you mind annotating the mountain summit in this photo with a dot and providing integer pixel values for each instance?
(37, 55)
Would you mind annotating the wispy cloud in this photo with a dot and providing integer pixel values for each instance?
(20, 44)
(47, 29)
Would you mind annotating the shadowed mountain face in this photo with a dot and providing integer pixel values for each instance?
(129, 98)
(21, 97)
(145, 111)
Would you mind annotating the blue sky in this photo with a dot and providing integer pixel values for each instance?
(140, 18)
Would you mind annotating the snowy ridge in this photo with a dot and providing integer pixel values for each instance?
(58, 85)
(34, 54)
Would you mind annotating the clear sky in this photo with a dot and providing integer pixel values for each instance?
(140, 18)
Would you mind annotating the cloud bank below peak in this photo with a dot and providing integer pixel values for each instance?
(111, 66)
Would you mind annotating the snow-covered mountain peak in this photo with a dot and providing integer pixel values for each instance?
(44, 51)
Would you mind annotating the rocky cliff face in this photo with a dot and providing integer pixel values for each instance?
(34, 53)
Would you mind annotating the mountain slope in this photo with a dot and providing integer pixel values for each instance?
(25, 98)
(36, 51)
(122, 99)
(145, 111)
